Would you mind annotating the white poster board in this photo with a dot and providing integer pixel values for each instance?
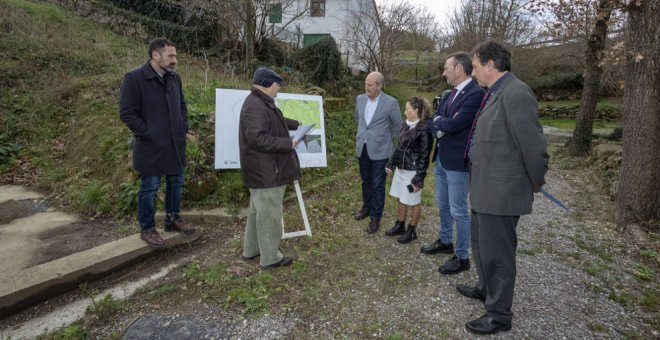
(304, 108)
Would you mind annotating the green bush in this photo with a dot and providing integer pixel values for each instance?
(273, 52)
(321, 62)
(8, 149)
(94, 198)
(128, 198)
(557, 81)
(73, 332)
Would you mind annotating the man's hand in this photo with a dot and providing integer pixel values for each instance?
(294, 143)
(388, 171)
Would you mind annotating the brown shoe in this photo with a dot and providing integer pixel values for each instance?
(152, 238)
(179, 227)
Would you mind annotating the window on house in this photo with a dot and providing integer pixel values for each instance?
(275, 14)
(317, 8)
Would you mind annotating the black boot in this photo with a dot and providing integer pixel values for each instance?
(409, 235)
(398, 229)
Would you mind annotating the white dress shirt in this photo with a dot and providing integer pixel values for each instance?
(370, 108)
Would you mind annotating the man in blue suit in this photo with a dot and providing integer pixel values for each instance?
(378, 119)
(451, 126)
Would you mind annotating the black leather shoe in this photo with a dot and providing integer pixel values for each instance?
(486, 325)
(360, 215)
(438, 247)
(454, 266)
(398, 229)
(471, 292)
(373, 226)
(408, 236)
(285, 261)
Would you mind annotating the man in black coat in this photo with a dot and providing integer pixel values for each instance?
(268, 163)
(152, 105)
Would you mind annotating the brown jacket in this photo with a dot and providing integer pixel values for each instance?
(268, 159)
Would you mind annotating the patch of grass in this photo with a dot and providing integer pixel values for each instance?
(569, 124)
(192, 271)
(559, 123)
(621, 298)
(72, 332)
(574, 255)
(214, 275)
(643, 272)
(650, 300)
(531, 251)
(596, 268)
(650, 253)
(598, 250)
(251, 294)
(103, 310)
(156, 293)
(94, 198)
(395, 336)
(255, 296)
(603, 103)
(596, 326)
(128, 198)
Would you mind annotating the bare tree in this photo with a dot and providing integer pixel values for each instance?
(638, 199)
(584, 22)
(254, 14)
(506, 20)
(425, 32)
(580, 143)
(363, 36)
(375, 35)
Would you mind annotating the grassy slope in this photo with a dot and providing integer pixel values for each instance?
(59, 98)
(61, 101)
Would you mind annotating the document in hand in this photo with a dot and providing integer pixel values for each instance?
(301, 131)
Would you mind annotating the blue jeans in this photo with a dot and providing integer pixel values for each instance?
(147, 195)
(451, 192)
(373, 177)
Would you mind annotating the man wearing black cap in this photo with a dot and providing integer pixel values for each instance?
(268, 162)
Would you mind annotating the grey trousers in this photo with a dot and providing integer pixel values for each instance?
(263, 230)
(494, 243)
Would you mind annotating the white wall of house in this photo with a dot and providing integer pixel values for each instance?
(334, 22)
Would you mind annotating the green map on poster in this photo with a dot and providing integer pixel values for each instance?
(304, 111)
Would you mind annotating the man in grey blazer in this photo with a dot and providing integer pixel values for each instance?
(378, 119)
(508, 161)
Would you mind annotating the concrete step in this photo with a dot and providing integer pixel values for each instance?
(21, 289)
(205, 217)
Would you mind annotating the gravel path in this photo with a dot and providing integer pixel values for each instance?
(569, 267)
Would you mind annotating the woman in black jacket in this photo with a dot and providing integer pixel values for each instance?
(408, 163)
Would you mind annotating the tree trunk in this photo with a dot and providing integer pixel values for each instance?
(638, 198)
(580, 144)
(250, 28)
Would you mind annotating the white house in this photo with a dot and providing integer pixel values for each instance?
(352, 23)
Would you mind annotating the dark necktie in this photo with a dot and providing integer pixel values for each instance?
(474, 125)
(452, 94)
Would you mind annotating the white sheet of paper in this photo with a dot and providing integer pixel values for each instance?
(302, 131)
